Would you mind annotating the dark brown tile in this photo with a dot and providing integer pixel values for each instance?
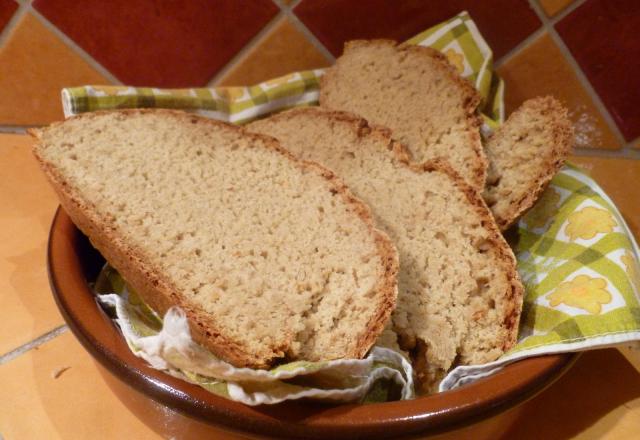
(7, 8)
(541, 69)
(163, 44)
(503, 23)
(603, 37)
(283, 50)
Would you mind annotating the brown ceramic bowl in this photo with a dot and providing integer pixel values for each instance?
(72, 263)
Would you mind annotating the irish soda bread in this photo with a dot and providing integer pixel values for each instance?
(269, 257)
(415, 92)
(459, 297)
(524, 155)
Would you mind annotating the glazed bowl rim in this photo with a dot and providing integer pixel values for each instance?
(100, 336)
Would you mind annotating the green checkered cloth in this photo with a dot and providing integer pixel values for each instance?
(458, 38)
(576, 256)
(579, 264)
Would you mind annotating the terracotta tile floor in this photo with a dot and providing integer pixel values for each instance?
(28, 204)
(541, 69)
(44, 65)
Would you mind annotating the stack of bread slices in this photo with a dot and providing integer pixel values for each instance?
(315, 233)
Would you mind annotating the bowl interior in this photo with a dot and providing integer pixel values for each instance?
(73, 263)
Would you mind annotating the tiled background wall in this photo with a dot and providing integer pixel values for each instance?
(586, 52)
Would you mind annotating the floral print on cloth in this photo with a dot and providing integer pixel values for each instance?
(589, 222)
(582, 292)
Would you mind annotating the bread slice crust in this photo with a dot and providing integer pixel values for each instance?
(429, 369)
(338, 80)
(160, 293)
(509, 200)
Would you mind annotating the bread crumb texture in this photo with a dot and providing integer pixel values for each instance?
(524, 155)
(272, 259)
(459, 295)
(415, 92)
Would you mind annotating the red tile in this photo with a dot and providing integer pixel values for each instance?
(603, 37)
(34, 65)
(7, 8)
(162, 44)
(503, 23)
(542, 69)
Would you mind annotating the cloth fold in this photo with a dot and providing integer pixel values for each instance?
(166, 344)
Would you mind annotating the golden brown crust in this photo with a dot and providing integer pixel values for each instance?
(386, 249)
(156, 289)
(496, 242)
(363, 127)
(377, 323)
(555, 155)
(471, 96)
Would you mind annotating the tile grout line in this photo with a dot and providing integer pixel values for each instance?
(17, 16)
(566, 11)
(589, 88)
(519, 47)
(16, 129)
(32, 344)
(85, 56)
(549, 26)
(24, 6)
(243, 53)
(538, 32)
(288, 12)
(627, 150)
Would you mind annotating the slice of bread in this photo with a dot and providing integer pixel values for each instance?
(460, 296)
(524, 155)
(270, 258)
(415, 92)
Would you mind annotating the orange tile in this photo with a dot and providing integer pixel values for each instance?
(541, 69)
(80, 402)
(28, 204)
(283, 50)
(619, 179)
(552, 7)
(76, 405)
(599, 398)
(34, 66)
